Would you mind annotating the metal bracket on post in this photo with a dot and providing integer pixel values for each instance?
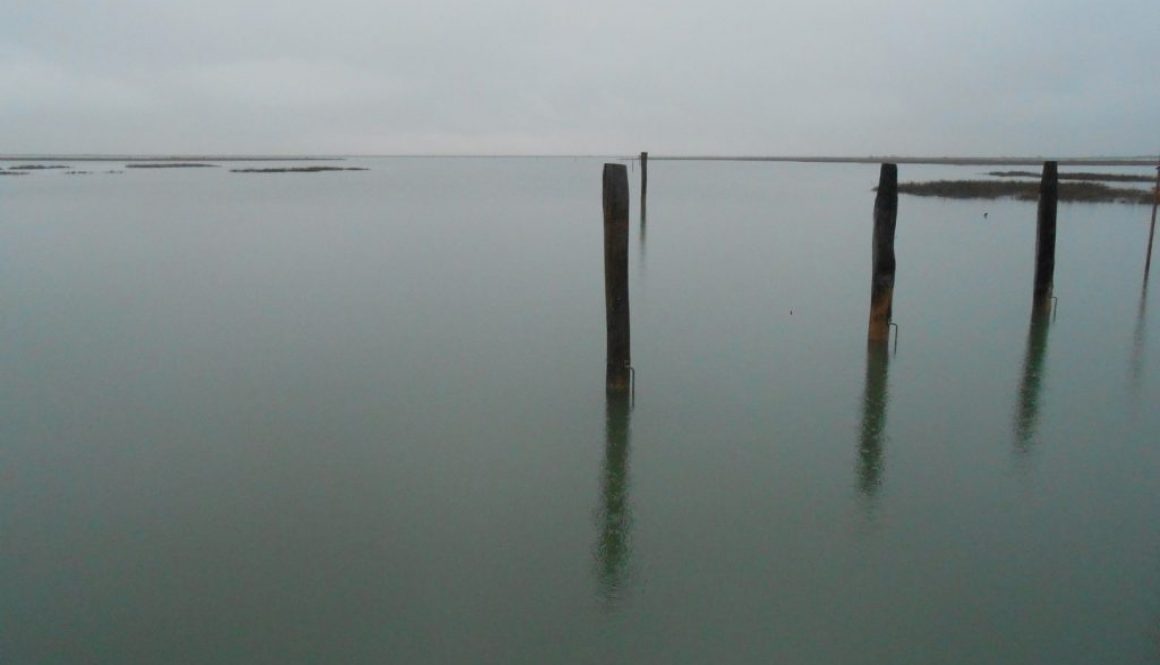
(895, 326)
(1054, 307)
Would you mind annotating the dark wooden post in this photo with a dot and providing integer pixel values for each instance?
(882, 275)
(643, 183)
(1152, 228)
(1045, 235)
(616, 276)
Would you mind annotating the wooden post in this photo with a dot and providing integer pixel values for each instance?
(1045, 236)
(643, 183)
(882, 274)
(1152, 228)
(616, 276)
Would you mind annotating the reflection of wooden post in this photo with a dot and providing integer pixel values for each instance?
(1027, 410)
(643, 183)
(615, 520)
(1152, 228)
(882, 275)
(874, 400)
(616, 275)
(1045, 236)
(1137, 363)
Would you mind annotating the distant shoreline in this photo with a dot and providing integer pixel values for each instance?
(802, 159)
(947, 161)
(164, 158)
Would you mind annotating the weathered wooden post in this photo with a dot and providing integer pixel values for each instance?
(1045, 235)
(643, 184)
(882, 274)
(1152, 228)
(616, 276)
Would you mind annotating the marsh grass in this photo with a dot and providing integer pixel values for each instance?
(1094, 177)
(171, 165)
(1084, 192)
(300, 169)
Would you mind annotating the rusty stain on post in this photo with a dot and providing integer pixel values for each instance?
(1045, 235)
(616, 276)
(882, 274)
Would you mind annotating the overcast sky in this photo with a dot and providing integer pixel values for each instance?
(921, 77)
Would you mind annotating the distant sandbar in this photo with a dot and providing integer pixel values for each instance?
(300, 169)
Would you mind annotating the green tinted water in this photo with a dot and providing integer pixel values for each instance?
(360, 418)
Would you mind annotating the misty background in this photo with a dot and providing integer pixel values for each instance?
(987, 77)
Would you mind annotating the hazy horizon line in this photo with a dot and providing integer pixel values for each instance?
(1110, 160)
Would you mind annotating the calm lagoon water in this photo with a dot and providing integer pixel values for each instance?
(359, 417)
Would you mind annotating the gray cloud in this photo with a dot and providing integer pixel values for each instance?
(515, 76)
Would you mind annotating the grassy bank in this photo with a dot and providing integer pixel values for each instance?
(171, 165)
(1084, 192)
(300, 169)
(1093, 177)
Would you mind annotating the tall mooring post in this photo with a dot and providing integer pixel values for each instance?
(882, 273)
(1045, 235)
(1152, 227)
(643, 184)
(616, 277)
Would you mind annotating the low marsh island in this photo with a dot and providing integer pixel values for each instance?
(1081, 192)
(300, 169)
(1094, 177)
(172, 165)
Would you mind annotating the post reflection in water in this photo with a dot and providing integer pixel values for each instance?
(643, 228)
(874, 401)
(1027, 410)
(1137, 361)
(614, 517)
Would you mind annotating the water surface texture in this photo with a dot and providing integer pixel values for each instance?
(359, 417)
